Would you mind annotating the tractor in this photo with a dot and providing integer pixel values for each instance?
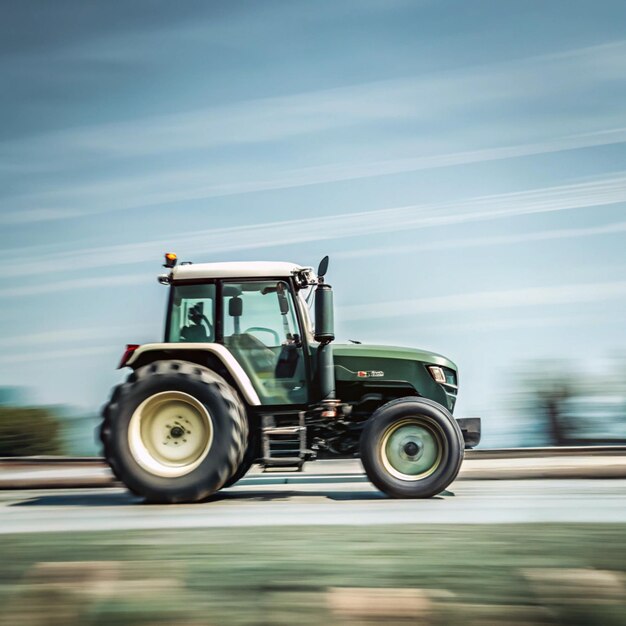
(244, 376)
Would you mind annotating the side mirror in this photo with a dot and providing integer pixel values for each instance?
(323, 267)
(235, 306)
(324, 313)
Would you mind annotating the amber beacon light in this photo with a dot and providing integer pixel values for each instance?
(170, 259)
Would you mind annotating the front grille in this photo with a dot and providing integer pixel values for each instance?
(451, 378)
(450, 387)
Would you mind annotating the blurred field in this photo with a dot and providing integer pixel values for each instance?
(504, 574)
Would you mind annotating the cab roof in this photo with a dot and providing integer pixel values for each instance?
(250, 269)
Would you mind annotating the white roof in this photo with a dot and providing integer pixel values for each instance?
(249, 269)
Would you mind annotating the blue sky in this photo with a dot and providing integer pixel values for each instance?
(462, 163)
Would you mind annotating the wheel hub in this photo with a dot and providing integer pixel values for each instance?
(412, 449)
(177, 432)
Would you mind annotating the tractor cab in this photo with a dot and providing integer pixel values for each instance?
(263, 323)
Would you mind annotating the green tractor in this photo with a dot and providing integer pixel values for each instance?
(244, 377)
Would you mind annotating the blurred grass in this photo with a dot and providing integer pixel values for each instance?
(471, 574)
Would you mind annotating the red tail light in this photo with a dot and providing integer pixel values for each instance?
(130, 349)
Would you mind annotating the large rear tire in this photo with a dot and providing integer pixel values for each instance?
(174, 432)
(251, 454)
(412, 448)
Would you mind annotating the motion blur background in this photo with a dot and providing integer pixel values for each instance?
(463, 164)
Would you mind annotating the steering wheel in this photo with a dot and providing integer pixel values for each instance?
(208, 325)
(274, 334)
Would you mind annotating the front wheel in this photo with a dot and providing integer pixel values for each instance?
(412, 448)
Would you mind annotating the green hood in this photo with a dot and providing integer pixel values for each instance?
(363, 351)
(359, 368)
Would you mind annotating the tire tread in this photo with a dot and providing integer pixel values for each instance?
(235, 411)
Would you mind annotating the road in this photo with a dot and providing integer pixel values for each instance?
(316, 500)
(540, 463)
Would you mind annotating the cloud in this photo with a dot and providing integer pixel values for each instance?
(488, 92)
(40, 346)
(480, 242)
(598, 192)
(56, 355)
(138, 191)
(64, 336)
(488, 300)
(274, 118)
(74, 284)
(488, 325)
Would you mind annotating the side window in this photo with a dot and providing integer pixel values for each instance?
(192, 318)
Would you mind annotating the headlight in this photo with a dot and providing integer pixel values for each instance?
(438, 374)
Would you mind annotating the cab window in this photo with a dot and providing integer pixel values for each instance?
(192, 316)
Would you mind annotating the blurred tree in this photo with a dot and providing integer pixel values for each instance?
(575, 408)
(544, 390)
(551, 393)
(28, 431)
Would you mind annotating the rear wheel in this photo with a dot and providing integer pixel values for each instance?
(251, 454)
(174, 432)
(412, 448)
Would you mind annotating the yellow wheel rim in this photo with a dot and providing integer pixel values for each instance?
(170, 434)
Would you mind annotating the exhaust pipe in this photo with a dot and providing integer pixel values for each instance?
(325, 334)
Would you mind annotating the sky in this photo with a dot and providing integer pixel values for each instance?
(463, 164)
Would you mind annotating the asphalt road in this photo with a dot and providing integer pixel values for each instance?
(309, 500)
(520, 464)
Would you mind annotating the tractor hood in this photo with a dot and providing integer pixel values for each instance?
(362, 351)
(361, 369)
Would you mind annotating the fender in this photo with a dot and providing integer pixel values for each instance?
(216, 349)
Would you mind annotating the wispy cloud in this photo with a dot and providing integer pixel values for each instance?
(423, 100)
(74, 284)
(53, 356)
(488, 325)
(64, 336)
(488, 300)
(480, 242)
(191, 184)
(270, 119)
(600, 192)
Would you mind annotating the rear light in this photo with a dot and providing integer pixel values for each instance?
(128, 352)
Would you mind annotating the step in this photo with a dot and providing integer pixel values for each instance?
(283, 430)
(285, 460)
